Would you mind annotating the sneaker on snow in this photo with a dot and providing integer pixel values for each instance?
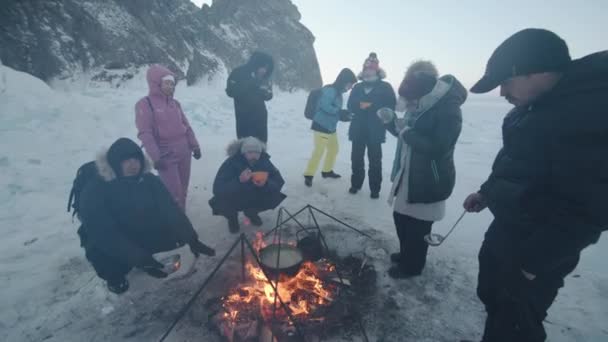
(330, 174)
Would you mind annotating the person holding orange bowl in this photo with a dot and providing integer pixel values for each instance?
(247, 181)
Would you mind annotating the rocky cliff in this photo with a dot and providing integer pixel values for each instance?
(110, 40)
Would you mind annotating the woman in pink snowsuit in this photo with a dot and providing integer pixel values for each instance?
(166, 134)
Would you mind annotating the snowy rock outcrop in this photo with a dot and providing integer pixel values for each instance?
(109, 40)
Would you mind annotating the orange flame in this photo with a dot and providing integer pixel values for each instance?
(302, 293)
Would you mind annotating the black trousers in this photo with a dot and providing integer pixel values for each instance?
(253, 203)
(107, 267)
(252, 126)
(412, 247)
(516, 306)
(374, 155)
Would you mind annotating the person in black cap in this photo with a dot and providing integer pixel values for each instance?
(250, 87)
(548, 189)
(128, 215)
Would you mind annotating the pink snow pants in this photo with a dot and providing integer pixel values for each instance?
(176, 174)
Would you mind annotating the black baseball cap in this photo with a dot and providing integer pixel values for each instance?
(526, 52)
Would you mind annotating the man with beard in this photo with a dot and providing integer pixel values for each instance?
(247, 181)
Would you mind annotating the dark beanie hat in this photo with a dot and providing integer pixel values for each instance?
(121, 150)
(417, 85)
(419, 80)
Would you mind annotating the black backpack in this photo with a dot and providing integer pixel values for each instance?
(85, 174)
(311, 103)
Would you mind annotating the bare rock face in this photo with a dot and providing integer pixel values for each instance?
(111, 39)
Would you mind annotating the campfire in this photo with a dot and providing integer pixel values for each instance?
(252, 306)
(294, 289)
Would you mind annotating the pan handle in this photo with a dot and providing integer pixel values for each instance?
(304, 230)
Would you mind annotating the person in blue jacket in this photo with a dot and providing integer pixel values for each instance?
(324, 124)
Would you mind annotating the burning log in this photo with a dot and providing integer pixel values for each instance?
(266, 335)
(313, 297)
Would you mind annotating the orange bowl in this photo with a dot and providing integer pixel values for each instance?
(259, 176)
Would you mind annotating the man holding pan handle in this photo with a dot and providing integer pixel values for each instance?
(548, 189)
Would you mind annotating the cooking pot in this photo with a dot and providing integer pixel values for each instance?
(310, 245)
(290, 259)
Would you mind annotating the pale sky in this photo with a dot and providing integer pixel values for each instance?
(458, 36)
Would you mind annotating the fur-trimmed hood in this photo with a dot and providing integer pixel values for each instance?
(260, 59)
(234, 148)
(107, 172)
(381, 74)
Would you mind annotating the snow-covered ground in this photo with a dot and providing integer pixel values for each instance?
(49, 292)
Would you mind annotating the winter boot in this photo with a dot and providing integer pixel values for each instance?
(397, 272)
(330, 174)
(198, 247)
(118, 286)
(375, 195)
(233, 223)
(308, 181)
(254, 218)
(353, 190)
(396, 257)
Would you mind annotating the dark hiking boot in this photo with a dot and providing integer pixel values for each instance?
(330, 174)
(375, 195)
(396, 257)
(233, 224)
(308, 181)
(353, 190)
(153, 268)
(254, 218)
(397, 272)
(200, 248)
(118, 286)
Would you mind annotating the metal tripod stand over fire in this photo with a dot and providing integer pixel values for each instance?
(272, 278)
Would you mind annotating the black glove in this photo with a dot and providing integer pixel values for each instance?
(345, 115)
(199, 248)
(153, 268)
(196, 153)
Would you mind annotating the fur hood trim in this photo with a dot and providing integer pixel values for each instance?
(381, 74)
(234, 147)
(107, 173)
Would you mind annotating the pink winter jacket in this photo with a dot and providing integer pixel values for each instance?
(165, 126)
